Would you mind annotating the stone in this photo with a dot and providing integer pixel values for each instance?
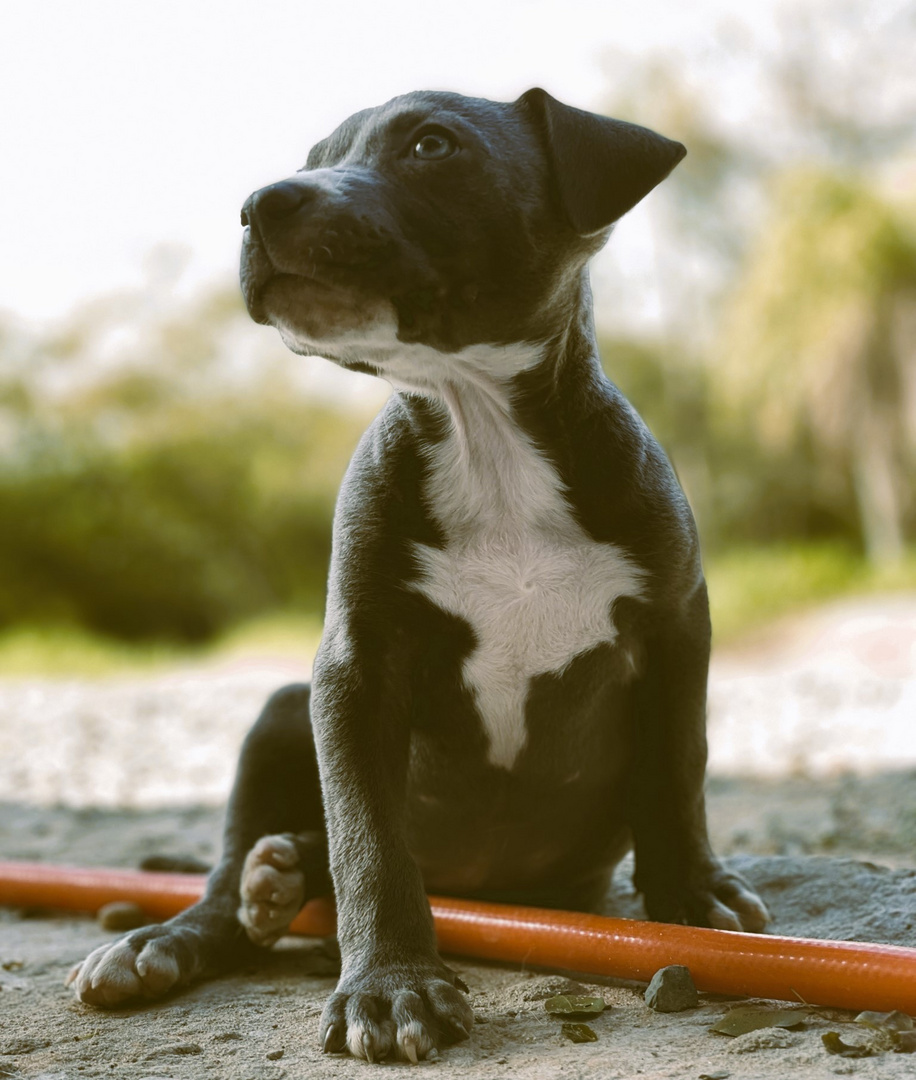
(672, 990)
(122, 915)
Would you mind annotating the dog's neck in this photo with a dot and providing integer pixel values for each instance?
(512, 558)
(485, 473)
(485, 469)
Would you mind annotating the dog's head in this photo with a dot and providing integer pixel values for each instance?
(442, 220)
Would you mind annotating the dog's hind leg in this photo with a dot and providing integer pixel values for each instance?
(274, 859)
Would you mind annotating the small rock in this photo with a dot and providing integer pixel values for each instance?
(122, 915)
(763, 1039)
(274, 1055)
(672, 990)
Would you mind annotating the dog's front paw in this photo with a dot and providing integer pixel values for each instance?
(403, 1012)
(145, 964)
(272, 889)
(709, 896)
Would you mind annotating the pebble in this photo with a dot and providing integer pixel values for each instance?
(122, 915)
(274, 1055)
(672, 990)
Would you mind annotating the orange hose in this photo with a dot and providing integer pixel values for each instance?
(845, 974)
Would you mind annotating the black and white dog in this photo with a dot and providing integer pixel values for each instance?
(511, 686)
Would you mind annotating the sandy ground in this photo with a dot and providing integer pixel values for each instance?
(813, 779)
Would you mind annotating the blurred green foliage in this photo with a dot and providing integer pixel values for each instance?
(73, 650)
(744, 491)
(168, 470)
(818, 353)
(141, 505)
(750, 586)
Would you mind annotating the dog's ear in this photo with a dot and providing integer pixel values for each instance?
(602, 167)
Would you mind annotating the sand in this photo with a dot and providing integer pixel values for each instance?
(813, 782)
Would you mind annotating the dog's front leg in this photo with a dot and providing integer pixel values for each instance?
(680, 878)
(395, 996)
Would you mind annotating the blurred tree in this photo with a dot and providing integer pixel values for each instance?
(834, 85)
(168, 473)
(699, 222)
(819, 344)
(779, 223)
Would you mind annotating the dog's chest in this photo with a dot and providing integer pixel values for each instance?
(535, 589)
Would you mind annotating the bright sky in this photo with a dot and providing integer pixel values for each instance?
(126, 124)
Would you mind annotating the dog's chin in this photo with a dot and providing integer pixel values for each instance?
(314, 317)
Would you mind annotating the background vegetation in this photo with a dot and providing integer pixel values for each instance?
(168, 471)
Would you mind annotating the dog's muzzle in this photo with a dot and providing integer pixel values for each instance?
(326, 230)
(277, 203)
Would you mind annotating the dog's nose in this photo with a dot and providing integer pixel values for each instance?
(275, 202)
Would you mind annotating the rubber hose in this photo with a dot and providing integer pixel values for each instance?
(844, 974)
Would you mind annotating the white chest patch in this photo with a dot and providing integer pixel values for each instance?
(535, 589)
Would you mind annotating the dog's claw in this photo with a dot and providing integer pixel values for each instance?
(367, 1048)
(410, 1049)
(329, 1041)
(459, 1028)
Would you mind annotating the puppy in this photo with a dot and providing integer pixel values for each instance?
(510, 690)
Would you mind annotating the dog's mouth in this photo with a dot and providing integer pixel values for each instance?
(336, 281)
(313, 276)
(264, 283)
(318, 300)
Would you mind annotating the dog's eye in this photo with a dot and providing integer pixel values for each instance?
(434, 145)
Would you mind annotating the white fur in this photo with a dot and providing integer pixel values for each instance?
(409, 366)
(536, 590)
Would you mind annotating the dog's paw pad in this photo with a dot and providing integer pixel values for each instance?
(139, 965)
(272, 889)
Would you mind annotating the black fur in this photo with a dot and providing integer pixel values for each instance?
(488, 244)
